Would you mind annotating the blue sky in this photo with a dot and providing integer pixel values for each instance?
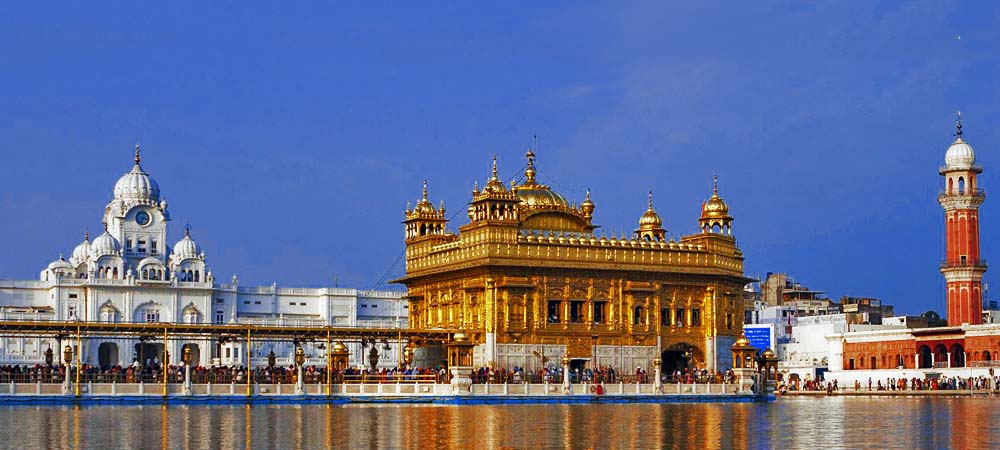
(292, 136)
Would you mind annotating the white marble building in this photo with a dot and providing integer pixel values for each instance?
(130, 274)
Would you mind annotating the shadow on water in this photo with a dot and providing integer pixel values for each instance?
(837, 422)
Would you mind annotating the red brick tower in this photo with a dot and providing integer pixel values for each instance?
(963, 266)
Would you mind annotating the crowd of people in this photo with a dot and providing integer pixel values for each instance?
(603, 375)
(897, 384)
(153, 372)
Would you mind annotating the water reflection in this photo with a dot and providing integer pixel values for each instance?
(789, 423)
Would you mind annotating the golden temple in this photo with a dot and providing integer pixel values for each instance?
(529, 280)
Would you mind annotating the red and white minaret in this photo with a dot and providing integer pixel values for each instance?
(963, 267)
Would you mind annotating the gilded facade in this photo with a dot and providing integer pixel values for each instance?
(530, 280)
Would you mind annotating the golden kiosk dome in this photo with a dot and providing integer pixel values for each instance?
(715, 207)
(650, 220)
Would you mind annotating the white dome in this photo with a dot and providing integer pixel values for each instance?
(105, 244)
(137, 185)
(60, 264)
(960, 154)
(185, 248)
(81, 252)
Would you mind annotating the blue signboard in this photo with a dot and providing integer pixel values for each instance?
(760, 337)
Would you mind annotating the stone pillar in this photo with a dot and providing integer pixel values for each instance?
(916, 361)
(566, 386)
(657, 382)
(932, 360)
(949, 360)
(300, 382)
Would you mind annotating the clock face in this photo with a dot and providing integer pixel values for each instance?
(142, 218)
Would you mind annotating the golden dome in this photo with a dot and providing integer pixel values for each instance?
(533, 194)
(339, 347)
(494, 184)
(742, 341)
(650, 220)
(768, 353)
(587, 206)
(715, 207)
(424, 206)
(460, 337)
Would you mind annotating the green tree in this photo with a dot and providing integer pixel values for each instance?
(934, 319)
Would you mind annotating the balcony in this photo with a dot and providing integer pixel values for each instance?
(959, 263)
(965, 192)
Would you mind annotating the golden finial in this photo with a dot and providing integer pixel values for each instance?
(588, 194)
(86, 234)
(715, 185)
(475, 188)
(408, 207)
(650, 200)
(137, 154)
(495, 167)
(187, 230)
(425, 189)
(529, 173)
(958, 125)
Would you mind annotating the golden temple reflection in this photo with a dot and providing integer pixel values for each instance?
(164, 422)
(76, 427)
(247, 428)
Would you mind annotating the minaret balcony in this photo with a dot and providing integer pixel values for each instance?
(963, 263)
(965, 192)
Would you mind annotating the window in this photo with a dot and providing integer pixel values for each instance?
(576, 311)
(152, 315)
(291, 303)
(141, 244)
(220, 317)
(256, 302)
(679, 318)
(246, 302)
(128, 245)
(665, 317)
(695, 317)
(637, 315)
(729, 321)
(302, 303)
(72, 295)
(219, 300)
(553, 312)
(599, 308)
(72, 311)
(228, 354)
(152, 246)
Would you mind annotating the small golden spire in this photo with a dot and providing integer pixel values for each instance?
(715, 185)
(495, 168)
(475, 188)
(137, 154)
(425, 189)
(650, 200)
(588, 194)
(958, 125)
(529, 173)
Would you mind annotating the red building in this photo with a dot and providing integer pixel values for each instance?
(963, 267)
(966, 344)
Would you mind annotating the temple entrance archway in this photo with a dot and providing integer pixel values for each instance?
(148, 354)
(107, 355)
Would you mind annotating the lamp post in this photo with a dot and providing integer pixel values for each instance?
(565, 363)
(186, 357)
(300, 359)
(68, 359)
